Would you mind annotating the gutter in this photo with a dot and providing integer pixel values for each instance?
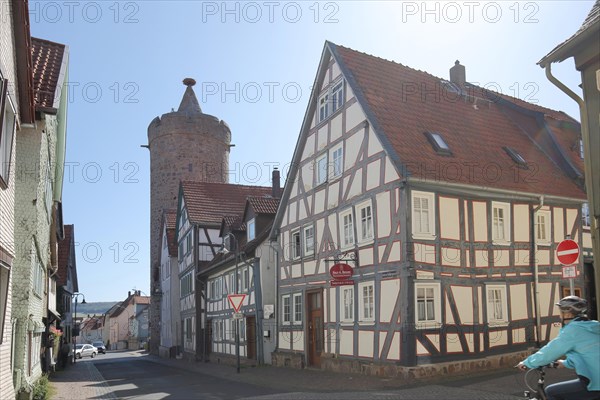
(500, 193)
(276, 250)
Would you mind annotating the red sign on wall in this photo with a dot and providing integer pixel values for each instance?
(341, 271)
(567, 252)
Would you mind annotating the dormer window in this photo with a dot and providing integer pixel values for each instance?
(331, 100)
(438, 143)
(516, 157)
(251, 229)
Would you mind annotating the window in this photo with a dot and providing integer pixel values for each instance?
(423, 215)
(251, 231)
(347, 302)
(4, 278)
(188, 328)
(331, 100)
(438, 143)
(180, 252)
(38, 277)
(366, 292)
(309, 240)
(186, 285)
(286, 312)
(296, 245)
(34, 348)
(337, 162)
(542, 228)
(246, 279)
(500, 222)
(516, 157)
(297, 308)
(496, 304)
(337, 96)
(585, 215)
(427, 305)
(365, 224)
(188, 243)
(8, 123)
(232, 287)
(48, 199)
(321, 167)
(347, 228)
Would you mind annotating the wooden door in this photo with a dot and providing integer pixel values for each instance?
(251, 338)
(315, 328)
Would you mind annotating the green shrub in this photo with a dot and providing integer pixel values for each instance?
(41, 389)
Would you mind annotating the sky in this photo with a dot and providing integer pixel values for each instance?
(255, 64)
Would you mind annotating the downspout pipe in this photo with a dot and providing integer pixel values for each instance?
(273, 246)
(536, 294)
(585, 135)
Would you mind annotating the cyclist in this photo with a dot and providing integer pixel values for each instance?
(579, 341)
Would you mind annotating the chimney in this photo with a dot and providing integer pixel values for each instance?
(276, 192)
(458, 74)
(129, 293)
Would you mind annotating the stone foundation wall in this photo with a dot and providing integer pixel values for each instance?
(421, 372)
(228, 359)
(287, 359)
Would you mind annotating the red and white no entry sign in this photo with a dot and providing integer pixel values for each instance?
(567, 252)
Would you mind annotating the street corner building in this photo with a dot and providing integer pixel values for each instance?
(420, 220)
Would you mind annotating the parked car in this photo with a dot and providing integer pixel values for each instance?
(100, 346)
(84, 350)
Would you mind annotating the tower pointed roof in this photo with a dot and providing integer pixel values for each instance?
(189, 103)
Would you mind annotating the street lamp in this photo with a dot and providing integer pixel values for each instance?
(224, 251)
(76, 297)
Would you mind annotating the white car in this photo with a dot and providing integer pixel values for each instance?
(84, 350)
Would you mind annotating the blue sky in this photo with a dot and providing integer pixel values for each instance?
(255, 63)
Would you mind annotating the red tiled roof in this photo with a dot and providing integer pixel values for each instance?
(263, 205)
(47, 59)
(403, 103)
(207, 203)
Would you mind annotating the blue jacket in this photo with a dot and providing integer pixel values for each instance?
(579, 341)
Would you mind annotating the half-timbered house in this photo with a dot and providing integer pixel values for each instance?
(201, 208)
(170, 326)
(244, 266)
(420, 221)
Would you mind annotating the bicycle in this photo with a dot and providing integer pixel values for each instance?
(539, 392)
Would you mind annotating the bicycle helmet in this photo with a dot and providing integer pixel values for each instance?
(573, 304)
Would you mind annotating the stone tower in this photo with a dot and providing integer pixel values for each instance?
(184, 145)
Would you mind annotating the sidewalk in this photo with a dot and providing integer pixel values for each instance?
(79, 381)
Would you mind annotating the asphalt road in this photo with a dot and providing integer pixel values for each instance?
(137, 375)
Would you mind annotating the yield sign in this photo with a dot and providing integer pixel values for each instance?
(236, 301)
(567, 252)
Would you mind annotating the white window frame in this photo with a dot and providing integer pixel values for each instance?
(7, 131)
(296, 246)
(251, 231)
(308, 240)
(542, 227)
(286, 309)
(337, 161)
(321, 169)
(4, 280)
(500, 234)
(347, 229)
(366, 302)
(297, 309)
(365, 235)
(331, 100)
(585, 215)
(38, 278)
(492, 303)
(245, 279)
(347, 304)
(436, 321)
(418, 231)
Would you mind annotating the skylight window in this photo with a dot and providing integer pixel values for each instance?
(516, 157)
(438, 143)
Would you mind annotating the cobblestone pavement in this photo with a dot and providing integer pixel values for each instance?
(83, 381)
(79, 381)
